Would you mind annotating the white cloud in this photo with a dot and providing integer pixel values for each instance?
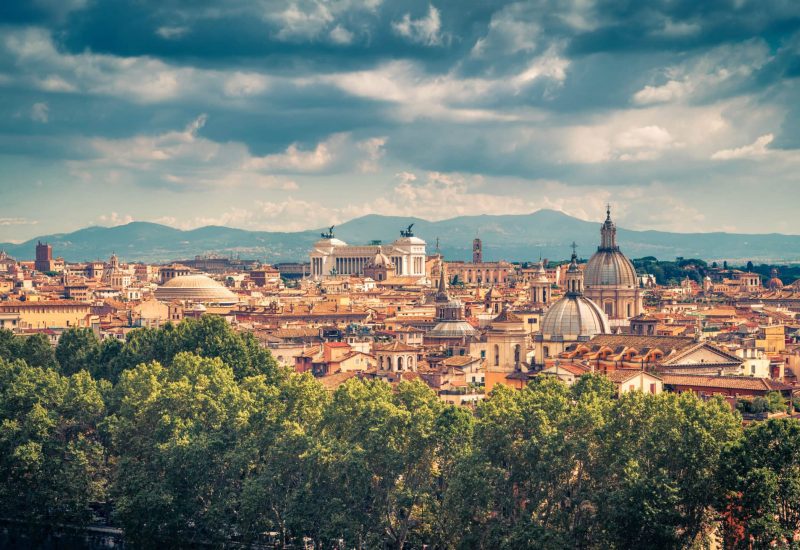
(113, 219)
(140, 79)
(707, 73)
(5, 222)
(171, 33)
(425, 30)
(40, 112)
(374, 149)
(416, 94)
(756, 149)
(511, 30)
(671, 91)
(185, 159)
(245, 84)
(340, 35)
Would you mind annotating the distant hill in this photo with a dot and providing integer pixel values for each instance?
(544, 233)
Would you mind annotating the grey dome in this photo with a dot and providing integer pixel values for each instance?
(574, 316)
(609, 268)
(197, 288)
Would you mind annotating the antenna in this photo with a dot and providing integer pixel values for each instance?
(574, 248)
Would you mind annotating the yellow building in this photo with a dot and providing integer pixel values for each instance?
(50, 314)
(771, 338)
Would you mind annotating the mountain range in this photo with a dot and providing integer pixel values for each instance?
(544, 233)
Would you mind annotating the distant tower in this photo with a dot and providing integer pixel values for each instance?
(477, 251)
(44, 257)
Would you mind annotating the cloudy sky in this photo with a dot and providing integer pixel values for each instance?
(286, 115)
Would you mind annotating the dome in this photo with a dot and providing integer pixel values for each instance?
(775, 283)
(452, 328)
(576, 316)
(609, 268)
(197, 288)
(380, 260)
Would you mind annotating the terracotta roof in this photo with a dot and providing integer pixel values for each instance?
(623, 375)
(727, 357)
(571, 368)
(333, 381)
(396, 346)
(725, 382)
(506, 316)
(459, 360)
(667, 344)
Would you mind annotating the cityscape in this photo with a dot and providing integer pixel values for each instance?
(368, 275)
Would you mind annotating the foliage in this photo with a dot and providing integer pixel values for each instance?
(761, 473)
(197, 437)
(52, 462)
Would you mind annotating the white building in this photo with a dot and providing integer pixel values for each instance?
(331, 256)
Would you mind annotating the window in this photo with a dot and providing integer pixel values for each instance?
(653, 389)
(496, 355)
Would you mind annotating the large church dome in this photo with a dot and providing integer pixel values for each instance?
(609, 266)
(195, 288)
(574, 316)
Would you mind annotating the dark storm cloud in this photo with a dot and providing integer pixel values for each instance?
(589, 93)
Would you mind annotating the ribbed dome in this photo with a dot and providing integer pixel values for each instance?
(609, 268)
(380, 260)
(574, 316)
(197, 288)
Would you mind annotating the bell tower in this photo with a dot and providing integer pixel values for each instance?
(477, 251)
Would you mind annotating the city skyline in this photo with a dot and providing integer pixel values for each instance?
(294, 115)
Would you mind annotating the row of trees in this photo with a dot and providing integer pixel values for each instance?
(193, 434)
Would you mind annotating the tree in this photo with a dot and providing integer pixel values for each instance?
(385, 443)
(283, 452)
(37, 352)
(52, 463)
(78, 349)
(761, 475)
(658, 468)
(175, 433)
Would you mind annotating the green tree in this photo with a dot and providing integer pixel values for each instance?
(282, 451)
(52, 463)
(761, 475)
(37, 352)
(175, 433)
(385, 443)
(657, 475)
(78, 349)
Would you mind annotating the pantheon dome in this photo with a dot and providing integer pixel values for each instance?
(195, 288)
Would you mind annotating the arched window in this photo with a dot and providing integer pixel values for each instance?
(399, 363)
(546, 351)
(516, 355)
(609, 307)
(410, 362)
(496, 355)
(380, 362)
(629, 310)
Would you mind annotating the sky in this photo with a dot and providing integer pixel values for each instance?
(258, 114)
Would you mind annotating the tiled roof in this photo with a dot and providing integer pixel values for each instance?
(667, 344)
(396, 346)
(725, 382)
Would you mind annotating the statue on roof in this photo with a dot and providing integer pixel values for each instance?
(327, 234)
(407, 232)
